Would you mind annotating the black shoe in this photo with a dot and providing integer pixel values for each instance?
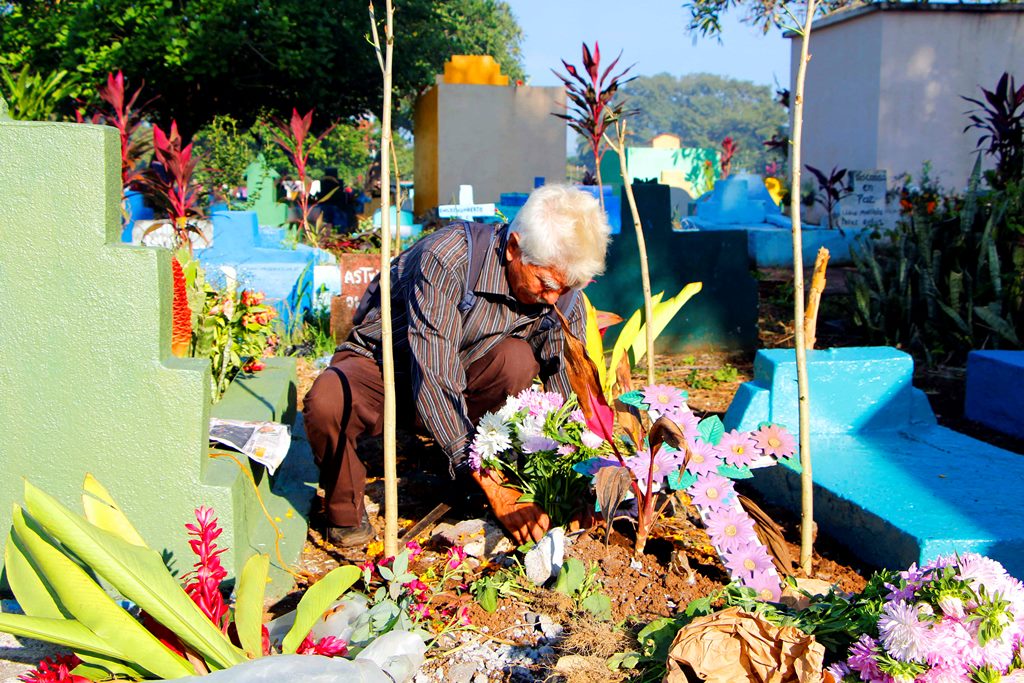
(351, 536)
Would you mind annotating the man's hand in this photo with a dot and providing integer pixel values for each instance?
(525, 521)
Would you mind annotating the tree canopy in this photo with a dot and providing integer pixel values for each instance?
(703, 109)
(201, 58)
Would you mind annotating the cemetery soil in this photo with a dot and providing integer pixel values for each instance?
(678, 564)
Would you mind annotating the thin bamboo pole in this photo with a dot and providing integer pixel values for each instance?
(803, 386)
(641, 244)
(388, 360)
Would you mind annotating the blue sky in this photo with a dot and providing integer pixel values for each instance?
(651, 33)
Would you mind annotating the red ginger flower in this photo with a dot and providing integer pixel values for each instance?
(328, 646)
(55, 670)
(181, 328)
(204, 586)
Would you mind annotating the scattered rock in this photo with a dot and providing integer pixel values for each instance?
(479, 538)
(463, 672)
(796, 599)
(545, 560)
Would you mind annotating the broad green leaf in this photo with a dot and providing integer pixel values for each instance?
(315, 602)
(622, 343)
(33, 591)
(102, 511)
(252, 586)
(663, 312)
(598, 604)
(138, 574)
(1000, 325)
(100, 668)
(126, 638)
(488, 599)
(595, 344)
(572, 576)
(711, 430)
(66, 632)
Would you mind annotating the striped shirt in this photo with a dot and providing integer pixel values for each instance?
(428, 282)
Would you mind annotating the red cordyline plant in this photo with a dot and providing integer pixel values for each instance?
(729, 149)
(591, 110)
(125, 115)
(293, 139)
(171, 186)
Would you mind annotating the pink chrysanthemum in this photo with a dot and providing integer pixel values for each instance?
(578, 417)
(738, 449)
(704, 459)
(775, 441)
(590, 439)
(766, 584)
(941, 674)
(566, 449)
(747, 560)
(902, 632)
(978, 569)
(711, 491)
(539, 403)
(730, 529)
(839, 670)
(662, 398)
(948, 642)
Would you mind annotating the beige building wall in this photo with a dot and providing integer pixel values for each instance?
(884, 85)
(497, 139)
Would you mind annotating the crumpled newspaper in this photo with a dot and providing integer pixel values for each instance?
(732, 646)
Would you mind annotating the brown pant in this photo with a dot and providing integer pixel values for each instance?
(347, 402)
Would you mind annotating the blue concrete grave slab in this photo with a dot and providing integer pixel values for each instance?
(889, 483)
(995, 390)
(136, 210)
(742, 202)
(263, 259)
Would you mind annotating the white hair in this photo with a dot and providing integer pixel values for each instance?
(563, 228)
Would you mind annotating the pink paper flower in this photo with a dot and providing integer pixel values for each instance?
(748, 560)
(640, 465)
(704, 459)
(775, 441)
(738, 449)
(711, 491)
(662, 398)
(730, 529)
(766, 584)
(685, 420)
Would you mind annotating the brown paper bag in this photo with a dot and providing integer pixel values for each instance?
(732, 647)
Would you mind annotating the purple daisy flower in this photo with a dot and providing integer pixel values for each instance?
(766, 584)
(640, 465)
(711, 491)
(704, 459)
(738, 449)
(902, 632)
(863, 659)
(685, 420)
(662, 398)
(747, 560)
(536, 443)
(730, 529)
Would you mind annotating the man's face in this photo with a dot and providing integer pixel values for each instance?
(531, 284)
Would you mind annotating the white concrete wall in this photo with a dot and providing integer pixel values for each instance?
(884, 87)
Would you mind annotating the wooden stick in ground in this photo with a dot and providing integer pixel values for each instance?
(803, 384)
(387, 352)
(641, 244)
(814, 299)
(399, 199)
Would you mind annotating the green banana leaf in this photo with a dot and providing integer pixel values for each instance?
(102, 511)
(137, 573)
(315, 602)
(66, 632)
(663, 312)
(252, 586)
(125, 637)
(34, 593)
(98, 668)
